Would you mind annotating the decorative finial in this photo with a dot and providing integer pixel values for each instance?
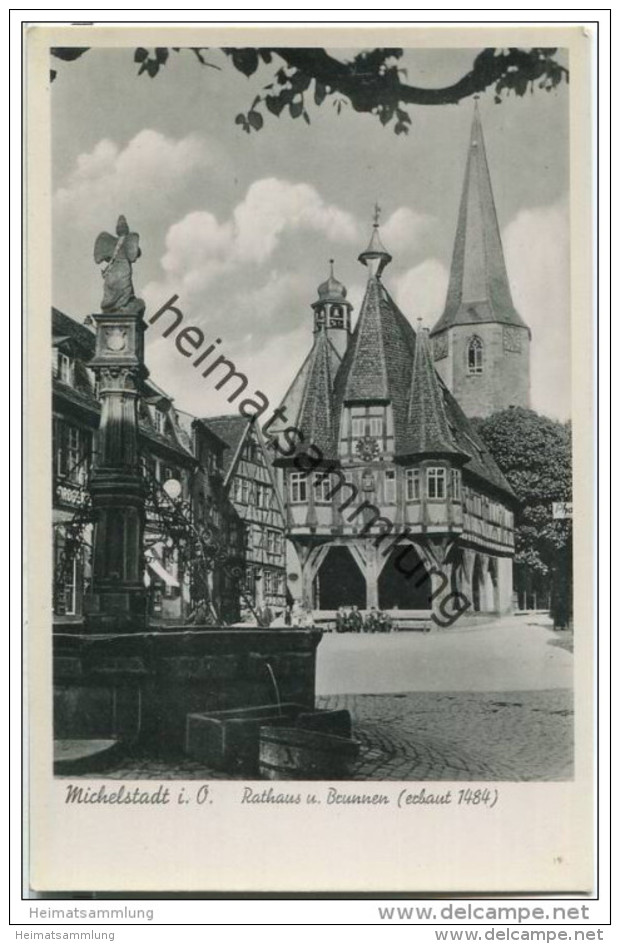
(376, 214)
(331, 268)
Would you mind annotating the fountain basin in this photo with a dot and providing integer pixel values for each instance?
(140, 687)
(229, 740)
(292, 753)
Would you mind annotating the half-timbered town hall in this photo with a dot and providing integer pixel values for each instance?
(400, 506)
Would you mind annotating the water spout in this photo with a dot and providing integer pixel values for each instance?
(275, 686)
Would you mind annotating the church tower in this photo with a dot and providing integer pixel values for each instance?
(481, 345)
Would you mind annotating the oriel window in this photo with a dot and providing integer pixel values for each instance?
(456, 484)
(435, 482)
(412, 484)
(322, 488)
(298, 487)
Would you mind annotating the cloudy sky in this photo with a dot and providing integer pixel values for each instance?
(240, 227)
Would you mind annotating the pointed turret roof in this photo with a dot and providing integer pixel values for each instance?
(478, 289)
(377, 364)
(316, 414)
(428, 426)
(308, 402)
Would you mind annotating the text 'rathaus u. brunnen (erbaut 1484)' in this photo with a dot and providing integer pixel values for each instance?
(398, 502)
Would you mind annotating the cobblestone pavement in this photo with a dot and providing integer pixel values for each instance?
(460, 736)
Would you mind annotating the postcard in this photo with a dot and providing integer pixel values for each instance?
(310, 472)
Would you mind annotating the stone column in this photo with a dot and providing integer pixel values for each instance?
(371, 574)
(117, 486)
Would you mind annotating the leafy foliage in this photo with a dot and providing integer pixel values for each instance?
(534, 453)
(371, 82)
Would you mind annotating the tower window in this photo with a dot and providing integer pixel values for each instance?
(336, 319)
(474, 356)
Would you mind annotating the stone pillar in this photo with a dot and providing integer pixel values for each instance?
(371, 574)
(504, 584)
(117, 486)
(466, 575)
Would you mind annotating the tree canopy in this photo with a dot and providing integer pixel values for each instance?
(534, 453)
(372, 81)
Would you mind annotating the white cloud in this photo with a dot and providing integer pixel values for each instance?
(199, 248)
(402, 231)
(536, 244)
(272, 206)
(421, 292)
(149, 168)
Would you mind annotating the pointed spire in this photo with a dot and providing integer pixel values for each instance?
(376, 257)
(427, 422)
(478, 289)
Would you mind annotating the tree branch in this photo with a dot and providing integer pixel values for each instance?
(370, 90)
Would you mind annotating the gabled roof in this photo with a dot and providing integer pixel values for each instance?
(66, 328)
(478, 289)
(232, 430)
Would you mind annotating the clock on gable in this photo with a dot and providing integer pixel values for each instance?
(367, 448)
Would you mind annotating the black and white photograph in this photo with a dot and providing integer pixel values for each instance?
(311, 413)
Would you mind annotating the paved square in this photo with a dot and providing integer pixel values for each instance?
(491, 702)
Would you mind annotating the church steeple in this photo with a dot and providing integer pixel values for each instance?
(480, 342)
(478, 289)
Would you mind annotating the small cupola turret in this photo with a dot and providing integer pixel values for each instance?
(332, 311)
